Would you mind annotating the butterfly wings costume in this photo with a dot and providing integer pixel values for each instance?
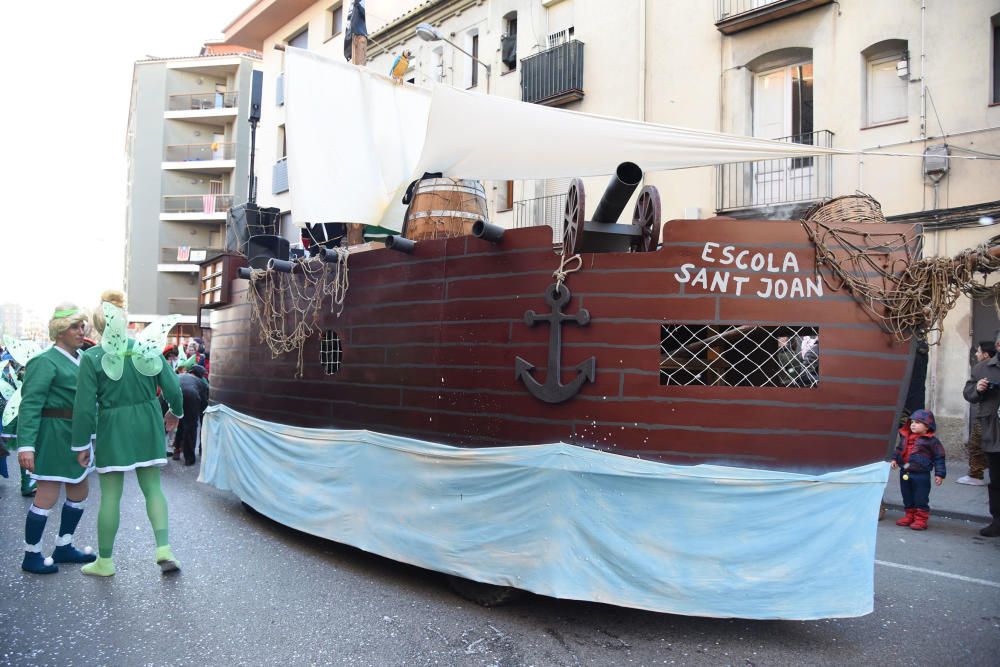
(121, 377)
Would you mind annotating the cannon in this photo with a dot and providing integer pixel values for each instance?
(603, 233)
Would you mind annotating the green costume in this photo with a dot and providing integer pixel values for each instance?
(128, 420)
(121, 377)
(45, 416)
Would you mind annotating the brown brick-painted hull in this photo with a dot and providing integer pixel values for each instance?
(429, 342)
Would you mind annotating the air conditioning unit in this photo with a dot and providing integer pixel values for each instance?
(936, 161)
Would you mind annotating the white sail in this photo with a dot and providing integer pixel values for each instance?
(356, 140)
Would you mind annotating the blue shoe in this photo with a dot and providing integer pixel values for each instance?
(70, 554)
(33, 562)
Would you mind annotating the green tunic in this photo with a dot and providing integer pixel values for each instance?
(49, 384)
(128, 419)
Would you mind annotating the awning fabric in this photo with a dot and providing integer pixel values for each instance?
(565, 521)
(356, 140)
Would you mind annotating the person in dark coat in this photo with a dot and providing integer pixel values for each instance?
(195, 392)
(983, 391)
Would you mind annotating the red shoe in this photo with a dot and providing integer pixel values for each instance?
(908, 519)
(920, 520)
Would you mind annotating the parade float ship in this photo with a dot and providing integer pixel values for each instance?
(696, 426)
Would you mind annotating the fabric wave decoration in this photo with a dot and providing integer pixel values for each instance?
(356, 140)
(568, 522)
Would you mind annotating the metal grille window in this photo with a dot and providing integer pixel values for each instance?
(329, 352)
(722, 355)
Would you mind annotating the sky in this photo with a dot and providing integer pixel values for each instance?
(67, 81)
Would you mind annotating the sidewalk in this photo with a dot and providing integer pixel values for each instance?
(957, 501)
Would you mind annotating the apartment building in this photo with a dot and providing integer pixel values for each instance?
(899, 78)
(188, 151)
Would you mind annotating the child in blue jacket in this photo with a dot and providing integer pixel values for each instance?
(918, 452)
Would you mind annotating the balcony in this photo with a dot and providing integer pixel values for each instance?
(732, 16)
(555, 76)
(184, 259)
(279, 176)
(542, 211)
(788, 185)
(212, 157)
(202, 101)
(202, 105)
(195, 207)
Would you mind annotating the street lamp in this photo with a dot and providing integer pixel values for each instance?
(429, 33)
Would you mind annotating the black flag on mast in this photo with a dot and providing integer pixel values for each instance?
(355, 26)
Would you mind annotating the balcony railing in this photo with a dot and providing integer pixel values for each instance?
(203, 101)
(182, 305)
(542, 211)
(553, 76)
(777, 182)
(736, 15)
(181, 255)
(200, 203)
(199, 152)
(279, 176)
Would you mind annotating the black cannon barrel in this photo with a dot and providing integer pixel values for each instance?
(627, 177)
(282, 265)
(400, 244)
(487, 231)
(244, 273)
(328, 255)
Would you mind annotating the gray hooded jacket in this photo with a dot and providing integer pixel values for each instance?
(986, 403)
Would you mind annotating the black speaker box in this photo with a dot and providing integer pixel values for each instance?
(263, 247)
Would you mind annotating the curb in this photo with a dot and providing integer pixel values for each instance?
(947, 514)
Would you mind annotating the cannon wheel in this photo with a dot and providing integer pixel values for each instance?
(486, 595)
(573, 218)
(647, 216)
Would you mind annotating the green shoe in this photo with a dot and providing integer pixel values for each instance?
(102, 567)
(166, 560)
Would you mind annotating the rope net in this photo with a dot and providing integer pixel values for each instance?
(286, 307)
(907, 297)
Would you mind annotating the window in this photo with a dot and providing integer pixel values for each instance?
(438, 60)
(474, 64)
(995, 25)
(886, 80)
(301, 39)
(335, 20)
(508, 42)
(505, 195)
(282, 148)
(329, 352)
(739, 356)
(783, 109)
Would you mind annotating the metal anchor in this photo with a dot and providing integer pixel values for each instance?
(553, 391)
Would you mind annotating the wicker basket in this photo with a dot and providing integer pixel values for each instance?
(859, 208)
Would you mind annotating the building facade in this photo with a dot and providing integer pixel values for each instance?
(188, 151)
(895, 78)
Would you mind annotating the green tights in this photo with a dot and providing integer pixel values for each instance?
(109, 514)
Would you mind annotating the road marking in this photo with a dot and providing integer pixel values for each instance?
(949, 575)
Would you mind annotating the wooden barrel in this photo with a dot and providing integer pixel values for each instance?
(444, 207)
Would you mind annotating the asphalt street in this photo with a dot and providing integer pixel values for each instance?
(252, 592)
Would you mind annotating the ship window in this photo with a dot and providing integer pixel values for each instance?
(329, 351)
(725, 355)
